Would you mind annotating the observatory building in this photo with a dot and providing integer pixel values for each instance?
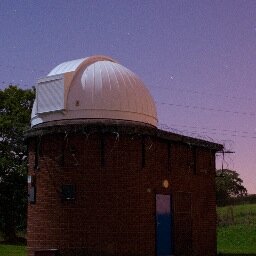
(104, 180)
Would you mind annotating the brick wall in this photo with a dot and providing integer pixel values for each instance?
(116, 177)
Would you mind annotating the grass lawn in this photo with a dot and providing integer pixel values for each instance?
(12, 250)
(237, 229)
(237, 239)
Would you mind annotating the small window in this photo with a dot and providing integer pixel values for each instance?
(31, 189)
(32, 195)
(68, 192)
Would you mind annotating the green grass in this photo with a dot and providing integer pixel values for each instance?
(237, 229)
(12, 250)
(237, 239)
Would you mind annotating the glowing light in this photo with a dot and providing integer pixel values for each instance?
(165, 183)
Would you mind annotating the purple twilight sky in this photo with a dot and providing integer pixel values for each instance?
(198, 59)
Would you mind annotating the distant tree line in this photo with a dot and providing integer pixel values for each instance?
(229, 188)
(247, 199)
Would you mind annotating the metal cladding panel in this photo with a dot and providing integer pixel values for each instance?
(64, 67)
(50, 95)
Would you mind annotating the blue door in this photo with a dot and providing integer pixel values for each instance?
(163, 225)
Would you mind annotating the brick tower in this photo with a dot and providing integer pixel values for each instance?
(104, 180)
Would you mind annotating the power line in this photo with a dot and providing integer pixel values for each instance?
(4, 83)
(214, 129)
(198, 133)
(183, 90)
(33, 70)
(208, 109)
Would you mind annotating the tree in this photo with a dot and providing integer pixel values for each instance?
(228, 185)
(15, 110)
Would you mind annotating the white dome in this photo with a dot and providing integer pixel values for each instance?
(94, 88)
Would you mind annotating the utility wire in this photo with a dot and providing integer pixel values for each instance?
(163, 103)
(198, 133)
(183, 90)
(214, 129)
(207, 109)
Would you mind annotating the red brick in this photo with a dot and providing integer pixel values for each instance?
(114, 209)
